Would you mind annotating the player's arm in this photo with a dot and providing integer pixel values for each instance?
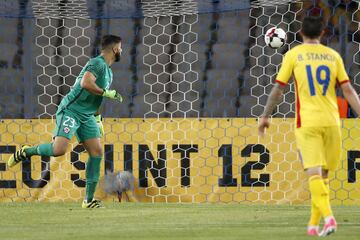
(273, 100)
(348, 90)
(276, 92)
(88, 82)
(351, 96)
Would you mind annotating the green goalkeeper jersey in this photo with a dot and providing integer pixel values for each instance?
(80, 101)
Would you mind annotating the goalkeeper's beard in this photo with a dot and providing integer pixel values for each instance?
(117, 57)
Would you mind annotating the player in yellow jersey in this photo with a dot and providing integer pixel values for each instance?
(317, 71)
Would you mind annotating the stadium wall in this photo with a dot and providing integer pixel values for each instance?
(206, 160)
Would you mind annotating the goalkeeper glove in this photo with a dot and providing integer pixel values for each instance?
(112, 94)
(100, 124)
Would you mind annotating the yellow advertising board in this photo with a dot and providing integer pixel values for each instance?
(179, 160)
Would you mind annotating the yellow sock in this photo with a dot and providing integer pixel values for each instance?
(315, 216)
(320, 195)
(327, 185)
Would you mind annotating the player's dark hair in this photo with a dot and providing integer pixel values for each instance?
(312, 27)
(109, 40)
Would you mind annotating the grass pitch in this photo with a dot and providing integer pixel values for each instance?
(44, 221)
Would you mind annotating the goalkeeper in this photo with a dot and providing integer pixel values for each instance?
(78, 114)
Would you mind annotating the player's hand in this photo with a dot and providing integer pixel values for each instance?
(100, 124)
(112, 94)
(263, 123)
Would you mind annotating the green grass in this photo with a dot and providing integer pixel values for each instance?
(49, 221)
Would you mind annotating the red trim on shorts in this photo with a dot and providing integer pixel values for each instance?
(281, 83)
(298, 117)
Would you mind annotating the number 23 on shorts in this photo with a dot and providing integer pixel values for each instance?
(68, 123)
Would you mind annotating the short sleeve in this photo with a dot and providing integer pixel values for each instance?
(342, 76)
(96, 67)
(286, 70)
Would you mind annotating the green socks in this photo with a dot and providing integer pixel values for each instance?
(92, 166)
(92, 176)
(45, 149)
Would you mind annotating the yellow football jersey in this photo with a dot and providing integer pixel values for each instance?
(317, 70)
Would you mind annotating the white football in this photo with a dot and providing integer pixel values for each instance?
(275, 37)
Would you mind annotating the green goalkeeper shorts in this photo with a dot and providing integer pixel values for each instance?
(68, 124)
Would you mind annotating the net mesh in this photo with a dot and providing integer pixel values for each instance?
(195, 75)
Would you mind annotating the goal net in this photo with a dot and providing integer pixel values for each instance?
(195, 76)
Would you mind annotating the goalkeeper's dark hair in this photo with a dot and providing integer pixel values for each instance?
(109, 41)
(312, 27)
